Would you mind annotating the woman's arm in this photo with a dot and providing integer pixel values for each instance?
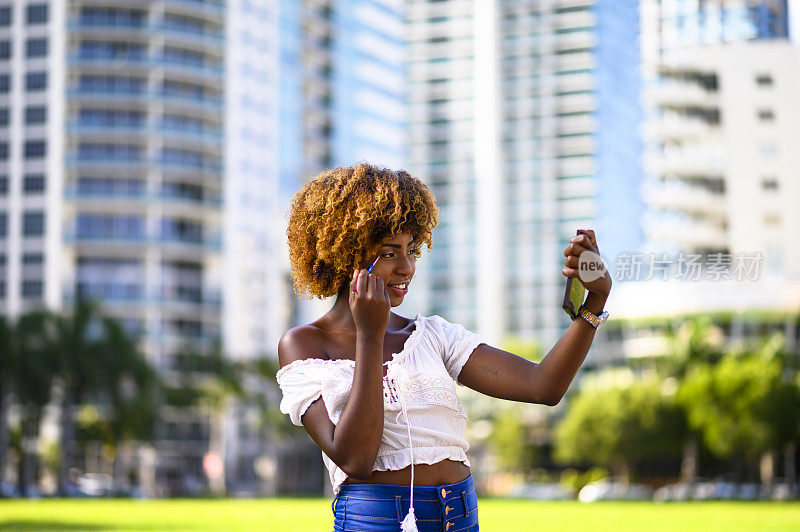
(502, 374)
(354, 441)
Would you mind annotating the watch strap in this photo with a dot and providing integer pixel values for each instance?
(594, 321)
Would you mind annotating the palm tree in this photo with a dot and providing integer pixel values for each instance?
(102, 365)
(697, 341)
(83, 370)
(35, 366)
(130, 386)
(6, 381)
(209, 381)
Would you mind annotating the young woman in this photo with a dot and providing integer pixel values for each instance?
(376, 390)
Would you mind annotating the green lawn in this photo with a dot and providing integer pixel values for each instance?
(497, 515)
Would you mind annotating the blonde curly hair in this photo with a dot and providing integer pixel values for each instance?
(342, 216)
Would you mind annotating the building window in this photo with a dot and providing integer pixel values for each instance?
(769, 184)
(35, 149)
(5, 50)
(2, 289)
(3, 225)
(35, 81)
(5, 83)
(36, 14)
(33, 184)
(36, 47)
(768, 150)
(766, 115)
(35, 114)
(33, 223)
(32, 288)
(109, 278)
(32, 259)
(5, 16)
(3, 151)
(99, 226)
(4, 116)
(764, 80)
(3, 185)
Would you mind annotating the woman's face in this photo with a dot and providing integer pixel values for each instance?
(396, 265)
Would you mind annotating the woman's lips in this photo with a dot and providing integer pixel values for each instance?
(398, 289)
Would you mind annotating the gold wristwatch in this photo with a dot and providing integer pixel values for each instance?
(594, 321)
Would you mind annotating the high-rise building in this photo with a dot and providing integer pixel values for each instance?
(146, 150)
(113, 176)
(721, 172)
(712, 125)
(720, 100)
(524, 120)
(343, 91)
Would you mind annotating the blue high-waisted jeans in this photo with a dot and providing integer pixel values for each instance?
(382, 507)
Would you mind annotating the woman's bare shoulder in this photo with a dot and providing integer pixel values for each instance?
(301, 342)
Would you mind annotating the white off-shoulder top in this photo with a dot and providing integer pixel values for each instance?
(424, 419)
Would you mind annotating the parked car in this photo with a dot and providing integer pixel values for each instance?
(544, 491)
(607, 491)
(95, 484)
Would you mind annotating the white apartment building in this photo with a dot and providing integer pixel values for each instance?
(138, 166)
(722, 171)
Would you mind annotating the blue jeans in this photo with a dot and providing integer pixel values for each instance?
(381, 507)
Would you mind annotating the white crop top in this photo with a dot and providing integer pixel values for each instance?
(419, 387)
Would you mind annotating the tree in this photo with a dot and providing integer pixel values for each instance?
(209, 381)
(6, 382)
(697, 341)
(742, 406)
(130, 386)
(511, 440)
(620, 426)
(83, 367)
(35, 365)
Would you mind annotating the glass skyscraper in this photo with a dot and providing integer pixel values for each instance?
(523, 119)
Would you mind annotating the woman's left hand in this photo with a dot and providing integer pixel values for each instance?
(592, 277)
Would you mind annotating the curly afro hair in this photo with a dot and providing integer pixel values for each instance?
(342, 216)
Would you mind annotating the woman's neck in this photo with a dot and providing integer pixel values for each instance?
(340, 314)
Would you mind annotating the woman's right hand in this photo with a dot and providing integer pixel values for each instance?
(369, 303)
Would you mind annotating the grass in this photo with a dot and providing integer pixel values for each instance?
(497, 515)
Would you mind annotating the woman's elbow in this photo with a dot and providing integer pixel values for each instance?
(550, 398)
(358, 471)
(552, 401)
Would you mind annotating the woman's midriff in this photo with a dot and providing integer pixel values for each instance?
(444, 472)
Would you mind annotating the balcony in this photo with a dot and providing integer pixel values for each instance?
(139, 199)
(125, 97)
(681, 128)
(682, 95)
(210, 140)
(211, 9)
(80, 161)
(686, 232)
(107, 242)
(120, 28)
(679, 196)
(194, 38)
(576, 103)
(693, 161)
(122, 62)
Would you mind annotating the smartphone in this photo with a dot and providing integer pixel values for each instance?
(574, 294)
